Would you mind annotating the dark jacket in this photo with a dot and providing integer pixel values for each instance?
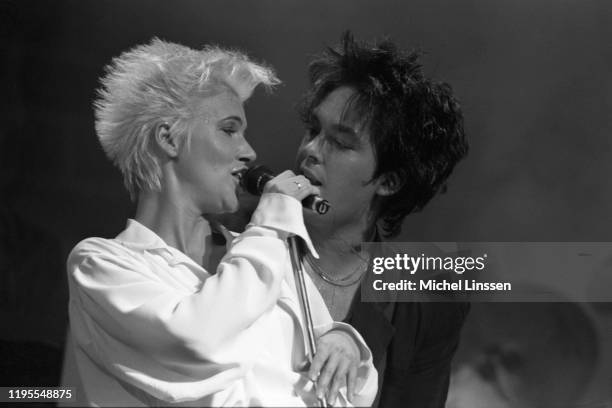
(412, 346)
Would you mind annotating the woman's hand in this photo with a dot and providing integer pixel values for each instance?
(334, 365)
(289, 184)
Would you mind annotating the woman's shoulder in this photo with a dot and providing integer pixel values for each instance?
(98, 247)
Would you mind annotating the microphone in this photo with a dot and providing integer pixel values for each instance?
(254, 179)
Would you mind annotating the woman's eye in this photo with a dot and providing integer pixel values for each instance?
(229, 131)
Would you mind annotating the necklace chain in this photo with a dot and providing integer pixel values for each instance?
(345, 281)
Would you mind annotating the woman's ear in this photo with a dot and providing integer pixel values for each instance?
(166, 140)
(390, 183)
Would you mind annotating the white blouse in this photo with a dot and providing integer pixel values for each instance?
(151, 327)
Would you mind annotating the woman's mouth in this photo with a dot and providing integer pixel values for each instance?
(238, 174)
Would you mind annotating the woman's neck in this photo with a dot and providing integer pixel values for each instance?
(180, 226)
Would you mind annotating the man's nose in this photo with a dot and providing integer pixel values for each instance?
(312, 150)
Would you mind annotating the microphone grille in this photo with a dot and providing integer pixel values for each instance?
(255, 178)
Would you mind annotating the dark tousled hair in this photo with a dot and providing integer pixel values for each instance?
(416, 124)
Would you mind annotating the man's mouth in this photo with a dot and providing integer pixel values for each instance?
(310, 176)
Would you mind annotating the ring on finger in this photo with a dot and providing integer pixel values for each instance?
(298, 184)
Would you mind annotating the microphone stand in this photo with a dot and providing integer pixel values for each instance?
(300, 283)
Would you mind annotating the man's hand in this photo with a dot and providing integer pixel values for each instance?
(334, 365)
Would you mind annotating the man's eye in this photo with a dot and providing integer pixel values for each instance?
(311, 125)
(339, 143)
(229, 131)
(310, 132)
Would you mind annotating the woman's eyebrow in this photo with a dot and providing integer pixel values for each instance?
(233, 118)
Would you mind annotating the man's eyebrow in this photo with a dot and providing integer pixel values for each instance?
(339, 127)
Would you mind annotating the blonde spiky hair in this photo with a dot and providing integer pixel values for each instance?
(155, 83)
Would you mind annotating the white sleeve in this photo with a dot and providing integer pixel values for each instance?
(162, 339)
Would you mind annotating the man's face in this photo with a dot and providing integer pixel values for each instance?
(208, 168)
(337, 155)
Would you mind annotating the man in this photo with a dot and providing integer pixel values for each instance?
(381, 140)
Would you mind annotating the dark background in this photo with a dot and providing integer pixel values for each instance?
(534, 79)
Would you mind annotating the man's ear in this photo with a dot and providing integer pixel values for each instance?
(389, 184)
(166, 140)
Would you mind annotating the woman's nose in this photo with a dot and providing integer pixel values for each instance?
(247, 154)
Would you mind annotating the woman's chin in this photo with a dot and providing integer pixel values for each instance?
(230, 206)
(224, 207)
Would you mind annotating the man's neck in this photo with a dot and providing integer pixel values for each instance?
(338, 246)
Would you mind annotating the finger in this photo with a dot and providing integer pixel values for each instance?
(309, 188)
(351, 380)
(359, 383)
(339, 380)
(289, 184)
(305, 188)
(326, 374)
(285, 175)
(317, 362)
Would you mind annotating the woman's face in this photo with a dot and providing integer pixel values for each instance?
(207, 169)
(336, 154)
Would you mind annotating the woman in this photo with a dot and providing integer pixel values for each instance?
(151, 326)
(381, 140)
